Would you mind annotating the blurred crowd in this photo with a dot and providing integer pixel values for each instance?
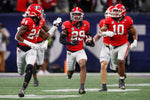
(65, 6)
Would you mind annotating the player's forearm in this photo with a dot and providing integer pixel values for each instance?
(63, 41)
(135, 36)
(52, 30)
(96, 38)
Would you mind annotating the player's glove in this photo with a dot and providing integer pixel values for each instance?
(44, 45)
(91, 44)
(107, 33)
(74, 42)
(89, 41)
(32, 45)
(57, 22)
(134, 44)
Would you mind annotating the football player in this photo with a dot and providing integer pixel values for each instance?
(40, 56)
(120, 25)
(31, 27)
(105, 52)
(73, 34)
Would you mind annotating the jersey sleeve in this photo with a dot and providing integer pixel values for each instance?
(107, 20)
(101, 23)
(87, 25)
(26, 21)
(65, 25)
(130, 21)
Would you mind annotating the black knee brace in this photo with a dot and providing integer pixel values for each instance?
(29, 68)
(28, 71)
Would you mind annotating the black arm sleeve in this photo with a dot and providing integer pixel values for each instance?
(63, 41)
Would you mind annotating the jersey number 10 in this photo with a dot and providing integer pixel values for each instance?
(120, 29)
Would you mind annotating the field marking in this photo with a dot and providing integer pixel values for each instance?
(94, 89)
(141, 84)
(39, 96)
(76, 73)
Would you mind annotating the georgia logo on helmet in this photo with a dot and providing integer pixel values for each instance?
(76, 14)
(34, 10)
(108, 12)
(119, 10)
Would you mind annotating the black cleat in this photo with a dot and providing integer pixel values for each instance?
(21, 93)
(69, 76)
(36, 83)
(82, 91)
(103, 89)
(125, 76)
(122, 84)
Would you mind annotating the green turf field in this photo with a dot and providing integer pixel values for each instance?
(59, 87)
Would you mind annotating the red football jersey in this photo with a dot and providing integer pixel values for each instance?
(120, 28)
(39, 39)
(105, 39)
(33, 31)
(75, 33)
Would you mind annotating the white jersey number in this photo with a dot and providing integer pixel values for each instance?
(33, 34)
(120, 29)
(77, 35)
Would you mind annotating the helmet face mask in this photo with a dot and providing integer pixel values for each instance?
(76, 14)
(119, 11)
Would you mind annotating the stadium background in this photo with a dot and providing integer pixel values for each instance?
(138, 59)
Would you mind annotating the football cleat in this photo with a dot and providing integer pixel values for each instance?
(21, 93)
(122, 84)
(36, 83)
(82, 91)
(103, 89)
(69, 76)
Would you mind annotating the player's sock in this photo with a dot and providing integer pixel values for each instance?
(24, 86)
(81, 90)
(82, 86)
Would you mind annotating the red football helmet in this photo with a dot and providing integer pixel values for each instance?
(108, 12)
(76, 14)
(119, 10)
(34, 10)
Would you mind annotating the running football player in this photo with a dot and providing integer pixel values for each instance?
(31, 27)
(74, 32)
(120, 24)
(105, 52)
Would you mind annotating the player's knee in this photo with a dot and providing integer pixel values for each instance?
(120, 62)
(104, 65)
(82, 64)
(29, 68)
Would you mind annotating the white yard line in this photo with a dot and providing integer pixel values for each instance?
(39, 96)
(89, 74)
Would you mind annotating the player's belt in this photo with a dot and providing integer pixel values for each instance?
(114, 47)
(23, 48)
(40, 41)
(107, 45)
(70, 50)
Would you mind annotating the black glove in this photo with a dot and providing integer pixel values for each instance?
(91, 44)
(74, 42)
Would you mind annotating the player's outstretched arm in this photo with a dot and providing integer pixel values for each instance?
(56, 24)
(45, 36)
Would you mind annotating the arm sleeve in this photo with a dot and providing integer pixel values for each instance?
(63, 41)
